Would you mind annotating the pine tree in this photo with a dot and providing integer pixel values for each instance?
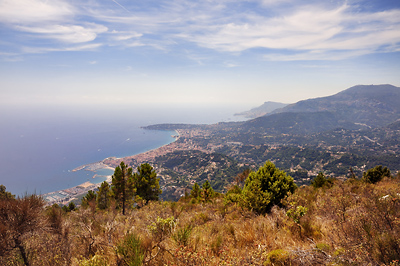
(103, 196)
(146, 183)
(207, 191)
(320, 180)
(122, 185)
(195, 193)
(89, 199)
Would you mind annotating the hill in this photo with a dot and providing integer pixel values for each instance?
(262, 110)
(330, 135)
(373, 105)
(300, 123)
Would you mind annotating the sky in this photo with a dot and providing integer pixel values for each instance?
(224, 52)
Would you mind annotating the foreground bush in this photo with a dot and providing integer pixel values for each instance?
(266, 188)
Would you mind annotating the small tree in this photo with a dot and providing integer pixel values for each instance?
(376, 174)
(89, 199)
(320, 180)
(103, 196)
(122, 185)
(266, 188)
(207, 191)
(146, 183)
(19, 218)
(5, 194)
(196, 192)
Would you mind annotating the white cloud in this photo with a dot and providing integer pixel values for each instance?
(125, 37)
(67, 33)
(318, 29)
(74, 48)
(269, 3)
(231, 64)
(135, 44)
(32, 11)
(307, 29)
(316, 55)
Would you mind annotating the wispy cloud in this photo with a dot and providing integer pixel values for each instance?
(120, 5)
(34, 11)
(283, 30)
(308, 29)
(11, 57)
(66, 33)
(74, 48)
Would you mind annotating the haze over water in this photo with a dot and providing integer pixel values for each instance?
(40, 146)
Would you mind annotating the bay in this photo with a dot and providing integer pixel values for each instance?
(40, 146)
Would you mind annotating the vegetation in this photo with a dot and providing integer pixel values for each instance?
(146, 183)
(321, 181)
(122, 185)
(349, 222)
(266, 187)
(376, 174)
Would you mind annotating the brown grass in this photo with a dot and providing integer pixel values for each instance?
(352, 223)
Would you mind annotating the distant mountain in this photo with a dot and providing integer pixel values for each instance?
(372, 105)
(262, 110)
(299, 123)
(359, 107)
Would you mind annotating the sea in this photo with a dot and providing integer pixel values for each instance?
(41, 145)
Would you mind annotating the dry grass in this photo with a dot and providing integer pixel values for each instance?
(352, 223)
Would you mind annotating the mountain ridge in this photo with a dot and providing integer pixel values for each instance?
(373, 105)
(264, 109)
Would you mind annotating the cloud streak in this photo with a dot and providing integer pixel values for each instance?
(66, 33)
(300, 32)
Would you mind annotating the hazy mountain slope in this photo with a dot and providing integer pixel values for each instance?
(264, 109)
(373, 105)
(297, 123)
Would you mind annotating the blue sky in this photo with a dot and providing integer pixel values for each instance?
(193, 52)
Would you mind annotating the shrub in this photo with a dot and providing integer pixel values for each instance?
(277, 257)
(95, 261)
(376, 174)
(162, 228)
(130, 251)
(182, 235)
(266, 188)
(233, 195)
(320, 181)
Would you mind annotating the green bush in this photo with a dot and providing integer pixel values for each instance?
(182, 235)
(130, 251)
(321, 181)
(95, 261)
(376, 174)
(266, 188)
(277, 257)
(162, 228)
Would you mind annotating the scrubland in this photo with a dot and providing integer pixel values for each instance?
(345, 223)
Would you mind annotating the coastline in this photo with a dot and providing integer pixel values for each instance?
(67, 195)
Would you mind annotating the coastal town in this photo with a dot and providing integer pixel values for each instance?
(183, 141)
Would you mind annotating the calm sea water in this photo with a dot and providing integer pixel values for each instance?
(40, 146)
